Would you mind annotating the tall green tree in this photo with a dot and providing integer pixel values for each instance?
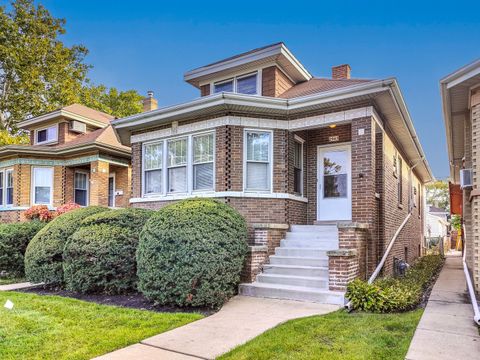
(438, 194)
(38, 73)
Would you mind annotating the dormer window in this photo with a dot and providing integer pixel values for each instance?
(242, 84)
(46, 135)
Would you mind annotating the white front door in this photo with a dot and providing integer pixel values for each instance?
(334, 183)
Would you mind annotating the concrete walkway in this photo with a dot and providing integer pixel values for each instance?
(240, 320)
(446, 329)
(18, 286)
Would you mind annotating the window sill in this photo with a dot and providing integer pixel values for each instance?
(54, 142)
(400, 206)
(221, 194)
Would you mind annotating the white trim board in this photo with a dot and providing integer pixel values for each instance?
(259, 123)
(220, 194)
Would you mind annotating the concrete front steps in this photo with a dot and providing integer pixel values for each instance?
(299, 268)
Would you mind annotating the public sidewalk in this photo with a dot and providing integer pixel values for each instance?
(446, 329)
(240, 320)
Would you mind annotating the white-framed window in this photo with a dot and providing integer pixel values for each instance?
(298, 166)
(177, 165)
(46, 135)
(6, 187)
(81, 188)
(42, 185)
(153, 164)
(242, 84)
(203, 159)
(183, 164)
(258, 160)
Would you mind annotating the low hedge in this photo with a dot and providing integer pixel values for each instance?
(100, 256)
(395, 294)
(191, 253)
(14, 239)
(43, 258)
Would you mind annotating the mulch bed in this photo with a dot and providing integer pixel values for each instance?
(134, 301)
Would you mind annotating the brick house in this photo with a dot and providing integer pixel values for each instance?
(461, 110)
(73, 156)
(323, 169)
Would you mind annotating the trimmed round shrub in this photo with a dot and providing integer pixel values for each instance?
(14, 239)
(100, 256)
(191, 253)
(43, 258)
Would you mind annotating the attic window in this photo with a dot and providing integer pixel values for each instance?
(242, 84)
(46, 135)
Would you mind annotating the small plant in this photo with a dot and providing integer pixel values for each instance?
(395, 294)
(39, 212)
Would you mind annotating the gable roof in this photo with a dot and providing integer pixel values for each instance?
(73, 112)
(318, 85)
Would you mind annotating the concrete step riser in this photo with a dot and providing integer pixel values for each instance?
(275, 260)
(326, 298)
(313, 228)
(279, 270)
(311, 237)
(301, 252)
(327, 245)
(285, 280)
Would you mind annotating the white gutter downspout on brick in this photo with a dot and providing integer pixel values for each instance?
(471, 291)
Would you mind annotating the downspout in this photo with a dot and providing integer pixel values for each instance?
(471, 291)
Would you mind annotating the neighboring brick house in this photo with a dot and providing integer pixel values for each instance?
(255, 139)
(73, 156)
(461, 111)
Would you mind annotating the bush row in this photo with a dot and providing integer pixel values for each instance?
(189, 253)
(395, 294)
(14, 239)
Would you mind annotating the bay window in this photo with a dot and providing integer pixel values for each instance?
(258, 160)
(177, 165)
(6, 187)
(81, 188)
(203, 162)
(47, 135)
(153, 161)
(42, 185)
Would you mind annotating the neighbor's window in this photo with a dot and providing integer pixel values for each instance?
(42, 185)
(298, 167)
(177, 165)
(243, 84)
(258, 160)
(153, 163)
(203, 150)
(400, 180)
(81, 188)
(47, 135)
(9, 187)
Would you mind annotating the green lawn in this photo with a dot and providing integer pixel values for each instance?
(53, 327)
(335, 336)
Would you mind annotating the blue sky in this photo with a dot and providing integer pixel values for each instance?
(149, 45)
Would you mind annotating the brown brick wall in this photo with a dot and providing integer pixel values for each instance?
(99, 174)
(274, 82)
(123, 177)
(205, 90)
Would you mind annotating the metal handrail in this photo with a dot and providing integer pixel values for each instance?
(385, 255)
(471, 291)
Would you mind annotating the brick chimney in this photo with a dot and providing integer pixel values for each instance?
(341, 72)
(150, 103)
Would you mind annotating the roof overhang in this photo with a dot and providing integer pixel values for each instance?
(61, 113)
(455, 91)
(385, 94)
(277, 54)
(11, 150)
